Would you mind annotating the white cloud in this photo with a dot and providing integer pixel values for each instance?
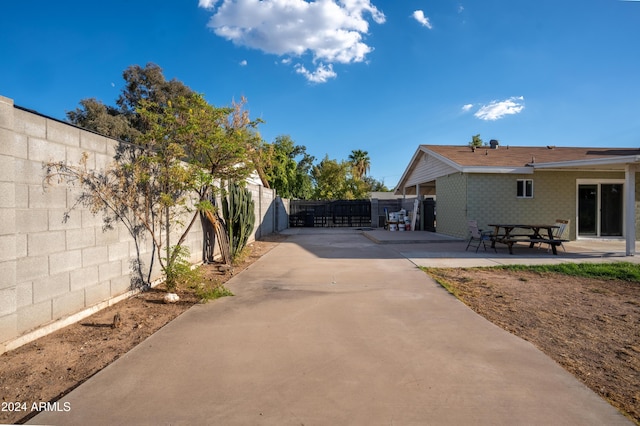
(331, 31)
(243, 63)
(460, 8)
(418, 15)
(498, 109)
(321, 75)
(467, 107)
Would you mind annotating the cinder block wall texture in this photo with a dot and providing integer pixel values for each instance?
(491, 198)
(50, 270)
(451, 210)
(500, 204)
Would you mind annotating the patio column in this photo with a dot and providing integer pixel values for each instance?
(419, 220)
(630, 209)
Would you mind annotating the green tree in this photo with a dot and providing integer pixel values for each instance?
(476, 141)
(142, 188)
(105, 120)
(190, 145)
(122, 121)
(290, 178)
(148, 84)
(330, 180)
(154, 185)
(167, 181)
(335, 180)
(222, 142)
(304, 187)
(360, 163)
(375, 185)
(358, 189)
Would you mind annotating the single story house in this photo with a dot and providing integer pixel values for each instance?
(595, 188)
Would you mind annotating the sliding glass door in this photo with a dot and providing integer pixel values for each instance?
(587, 210)
(600, 209)
(611, 197)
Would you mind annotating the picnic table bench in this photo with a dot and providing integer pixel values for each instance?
(503, 234)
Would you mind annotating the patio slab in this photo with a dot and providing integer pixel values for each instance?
(437, 250)
(329, 328)
(381, 236)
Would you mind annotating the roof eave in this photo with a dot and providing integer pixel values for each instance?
(422, 149)
(504, 170)
(444, 159)
(627, 159)
(403, 178)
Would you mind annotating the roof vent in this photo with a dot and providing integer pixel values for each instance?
(494, 144)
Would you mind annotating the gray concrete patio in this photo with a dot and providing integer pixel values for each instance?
(433, 249)
(330, 328)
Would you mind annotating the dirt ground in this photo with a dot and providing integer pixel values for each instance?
(591, 327)
(50, 367)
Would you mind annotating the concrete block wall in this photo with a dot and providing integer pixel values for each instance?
(263, 201)
(282, 213)
(451, 216)
(10, 147)
(50, 269)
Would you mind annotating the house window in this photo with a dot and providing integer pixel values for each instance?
(524, 188)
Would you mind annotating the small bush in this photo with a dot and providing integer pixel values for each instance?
(210, 290)
(180, 272)
(242, 256)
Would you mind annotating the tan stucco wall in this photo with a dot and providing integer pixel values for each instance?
(451, 208)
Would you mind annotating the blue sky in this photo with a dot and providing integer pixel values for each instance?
(382, 76)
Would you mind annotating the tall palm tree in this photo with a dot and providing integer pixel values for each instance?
(360, 163)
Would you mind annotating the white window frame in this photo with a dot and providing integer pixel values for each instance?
(523, 183)
(598, 182)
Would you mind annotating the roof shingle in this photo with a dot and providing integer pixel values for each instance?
(520, 156)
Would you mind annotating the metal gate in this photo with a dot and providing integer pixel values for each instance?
(347, 213)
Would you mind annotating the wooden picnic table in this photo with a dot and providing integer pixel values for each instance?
(509, 237)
